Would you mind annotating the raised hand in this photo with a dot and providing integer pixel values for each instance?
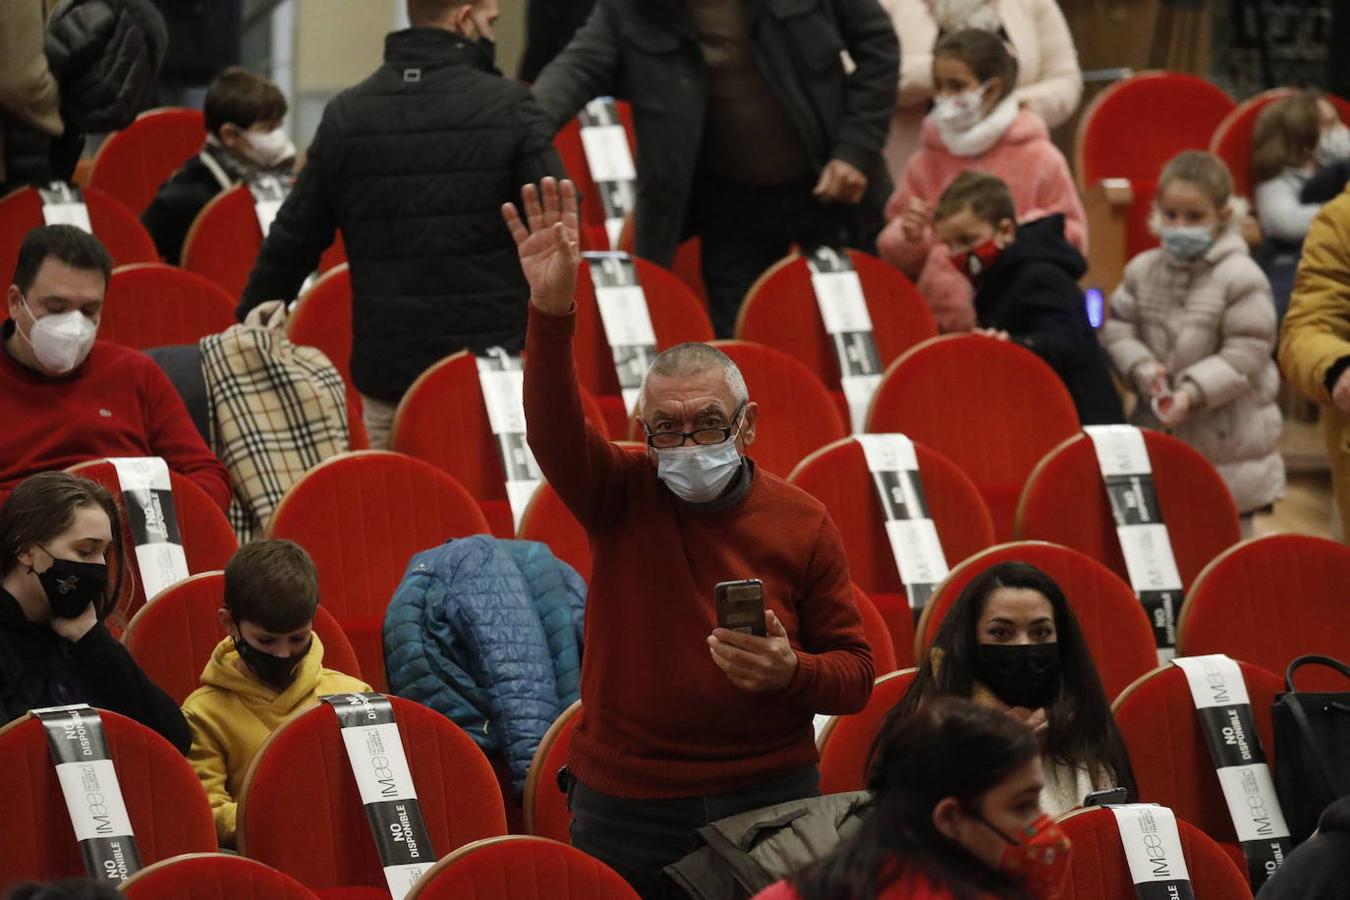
(547, 242)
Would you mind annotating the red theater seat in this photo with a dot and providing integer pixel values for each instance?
(1098, 870)
(1065, 502)
(1269, 600)
(300, 810)
(546, 812)
(879, 634)
(837, 476)
(225, 238)
(677, 316)
(168, 809)
(781, 311)
(362, 516)
(797, 415)
(1113, 621)
(120, 232)
(208, 539)
(172, 638)
(132, 163)
(443, 420)
(1232, 139)
(520, 868)
(323, 319)
(213, 876)
(991, 407)
(1167, 748)
(154, 305)
(568, 144)
(846, 741)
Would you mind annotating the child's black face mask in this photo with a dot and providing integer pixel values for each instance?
(277, 672)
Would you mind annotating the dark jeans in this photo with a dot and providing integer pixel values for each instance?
(746, 229)
(639, 838)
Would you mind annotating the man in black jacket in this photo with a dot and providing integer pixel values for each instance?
(1026, 287)
(414, 164)
(1320, 868)
(753, 132)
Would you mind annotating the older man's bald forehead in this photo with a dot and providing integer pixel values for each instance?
(707, 390)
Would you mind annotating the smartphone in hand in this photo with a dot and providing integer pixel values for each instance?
(740, 606)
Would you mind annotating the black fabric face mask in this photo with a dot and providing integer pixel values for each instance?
(1025, 675)
(71, 586)
(277, 672)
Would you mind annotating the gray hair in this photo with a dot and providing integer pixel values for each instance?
(684, 360)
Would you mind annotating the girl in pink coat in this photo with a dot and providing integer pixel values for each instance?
(976, 123)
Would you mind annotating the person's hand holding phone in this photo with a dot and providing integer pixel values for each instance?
(755, 663)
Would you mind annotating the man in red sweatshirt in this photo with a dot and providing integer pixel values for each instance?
(67, 398)
(685, 723)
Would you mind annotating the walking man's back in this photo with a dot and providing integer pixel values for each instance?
(413, 165)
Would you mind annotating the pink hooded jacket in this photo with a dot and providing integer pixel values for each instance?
(1036, 173)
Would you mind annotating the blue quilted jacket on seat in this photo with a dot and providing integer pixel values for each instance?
(488, 632)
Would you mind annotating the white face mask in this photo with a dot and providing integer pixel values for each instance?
(698, 473)
(960, 112)
(60, 342)
(1334, 145)
(269, 150)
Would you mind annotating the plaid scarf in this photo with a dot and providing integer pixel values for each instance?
(277, 410)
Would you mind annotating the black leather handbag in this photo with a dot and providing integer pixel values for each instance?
(1312, 748)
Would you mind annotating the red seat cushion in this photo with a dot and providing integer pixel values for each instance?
(154, 305)
(846, 747)
(203, 876)
(131, 164)
(522, 868)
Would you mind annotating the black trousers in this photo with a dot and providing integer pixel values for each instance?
(639, 838)
(745, 229)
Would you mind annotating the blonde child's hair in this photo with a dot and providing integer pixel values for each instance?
(1286, 135)
(1202, 170)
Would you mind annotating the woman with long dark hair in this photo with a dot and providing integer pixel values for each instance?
(58, 533)
(1011, 642)
(956, 814)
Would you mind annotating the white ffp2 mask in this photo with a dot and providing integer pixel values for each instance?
(699, 473)
(62, 341)
(269, 150)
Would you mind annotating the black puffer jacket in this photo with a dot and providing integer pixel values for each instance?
(414, 164)
(1032, 293)
(105, 55)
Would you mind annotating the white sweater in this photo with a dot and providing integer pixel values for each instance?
(1283, 216)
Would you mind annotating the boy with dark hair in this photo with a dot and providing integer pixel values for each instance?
(268, 668)
(1026, 287)
(244, 139)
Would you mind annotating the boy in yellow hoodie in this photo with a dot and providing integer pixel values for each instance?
(269, 668)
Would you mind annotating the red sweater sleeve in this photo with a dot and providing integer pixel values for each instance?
(172, 436)
(834, 664)
(586, 470)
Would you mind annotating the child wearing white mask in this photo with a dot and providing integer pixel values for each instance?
(1295, 138)
(1192, 329)
(976, 123)
(244, 140)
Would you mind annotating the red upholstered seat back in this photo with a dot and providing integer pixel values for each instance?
(548, 520)
(837, 476)
(797, 415)
(1098, 870)
(1112, 619)
(120, 232)
(568, 144)
(208, 539)
(846, 743)
(880, 634)
(546, 812)
(989, 406)
(225, 238)
(521, 868)
(154, 305)
(443, 420)
(323, 319)
(1065, 502)
(1167, 748)
(780, 311)
(300, 810)
(362, 516)
(172, 638)
(1232, 138)
(677, 316)
(213, 876)
(1269, 600)
(132, 163)
(168, 809)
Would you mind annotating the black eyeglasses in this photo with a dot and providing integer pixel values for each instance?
(668, 440)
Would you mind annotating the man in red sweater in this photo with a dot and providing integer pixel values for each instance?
(67, 398)
(685, 723)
